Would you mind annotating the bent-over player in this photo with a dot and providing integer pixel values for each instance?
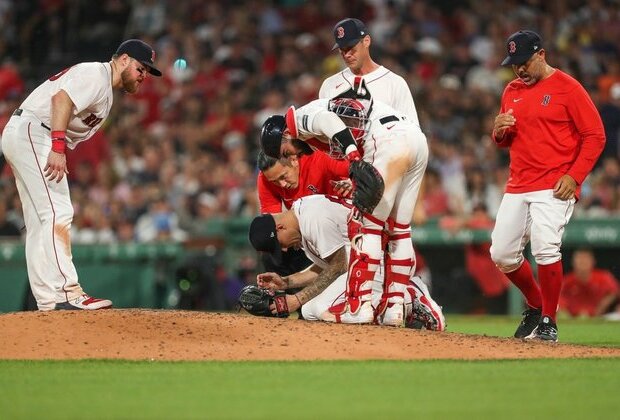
(555, 136)
(62, 112)
(282, 181)
(318, 225)
(386, 185)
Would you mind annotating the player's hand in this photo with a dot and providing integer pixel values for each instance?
(271, 281)
(291, 302)
(342, 188)
(56, 167)
(503, 122)
(565, 188)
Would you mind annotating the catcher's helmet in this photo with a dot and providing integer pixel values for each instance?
(353, 113)
(271, 135)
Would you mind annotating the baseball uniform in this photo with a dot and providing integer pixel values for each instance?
(47, 207)
(323, 227)
(558, 132)
(27, 142)
(397, 148)
(316, 171)
(383, 85)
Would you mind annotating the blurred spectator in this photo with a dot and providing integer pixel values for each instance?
(160, 223)
(8, 229)
(587, 290)
(610, 114)
(435, 198)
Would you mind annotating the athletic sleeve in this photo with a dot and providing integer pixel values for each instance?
(506, 140)
(590, 127)
(335, 168)
(314, 120)
(83, 88)
(270, 201)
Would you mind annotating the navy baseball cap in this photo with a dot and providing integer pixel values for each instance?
(264, 236)
(348, 32)
(521, 46)
(140, 51)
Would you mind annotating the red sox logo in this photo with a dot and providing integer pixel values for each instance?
(512, 47)
(152, 56)
(340, 32)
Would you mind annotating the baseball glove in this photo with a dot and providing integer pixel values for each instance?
(368, 186)
(257, 301)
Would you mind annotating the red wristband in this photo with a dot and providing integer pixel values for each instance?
(59, 141)
(354, 156)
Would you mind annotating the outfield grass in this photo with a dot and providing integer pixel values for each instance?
(437, 389)
(514, 389)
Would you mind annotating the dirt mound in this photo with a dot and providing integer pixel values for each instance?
(184, 335)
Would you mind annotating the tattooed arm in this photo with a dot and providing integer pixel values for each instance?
(337, 266)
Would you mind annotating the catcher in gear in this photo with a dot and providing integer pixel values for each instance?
(386, 186)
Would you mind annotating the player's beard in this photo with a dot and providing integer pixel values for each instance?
(129, 85)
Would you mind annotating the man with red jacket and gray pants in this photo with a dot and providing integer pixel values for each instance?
(555, 136)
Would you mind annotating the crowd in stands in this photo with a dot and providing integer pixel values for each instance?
(182, 152)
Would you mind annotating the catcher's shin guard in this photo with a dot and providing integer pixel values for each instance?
(390, 310)
(362, 268)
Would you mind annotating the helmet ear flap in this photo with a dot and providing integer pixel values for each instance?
(271, 135)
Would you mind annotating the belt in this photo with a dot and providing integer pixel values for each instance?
(18, 113)
(388, 119)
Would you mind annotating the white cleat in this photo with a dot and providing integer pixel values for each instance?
(394, 315)
(364, 315)
(84, 302)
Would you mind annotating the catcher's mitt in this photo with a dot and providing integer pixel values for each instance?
(257, 301)
(368, 186)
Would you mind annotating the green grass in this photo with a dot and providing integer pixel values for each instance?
(592, 332)
(512, 389)
(438, 389)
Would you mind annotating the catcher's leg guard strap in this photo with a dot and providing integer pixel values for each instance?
(365, 233)
(399, 264)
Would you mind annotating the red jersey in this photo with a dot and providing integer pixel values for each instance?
(315, 173)
(558, 131)
(583, 298)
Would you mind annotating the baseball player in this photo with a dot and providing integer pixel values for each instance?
(353, 41)
(318, 224)
(62, 112)
(281, 181)
(387, 182)
(555, 136)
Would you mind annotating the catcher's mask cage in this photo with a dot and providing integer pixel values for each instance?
(354, 114)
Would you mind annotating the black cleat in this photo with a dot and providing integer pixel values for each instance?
(531, 318)
(547, 330)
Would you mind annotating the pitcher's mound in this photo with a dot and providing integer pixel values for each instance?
(183, 335)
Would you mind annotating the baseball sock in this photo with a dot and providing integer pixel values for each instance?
(550, 277)
(523, 278)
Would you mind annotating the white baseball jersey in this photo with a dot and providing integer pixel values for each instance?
(384, 86)
(47, 207)
(89, 85)
(323, 226)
